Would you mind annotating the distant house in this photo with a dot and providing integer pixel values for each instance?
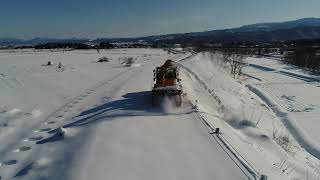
(177, 45)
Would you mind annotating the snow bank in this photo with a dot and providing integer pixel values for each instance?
(246, 119)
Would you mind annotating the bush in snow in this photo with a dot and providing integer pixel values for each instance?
(60, 65)
(104, 59)
(128, 61)
(285, 142)
(282, 139)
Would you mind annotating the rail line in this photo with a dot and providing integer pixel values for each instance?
(231, 151)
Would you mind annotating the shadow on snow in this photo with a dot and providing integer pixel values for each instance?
(132, 104)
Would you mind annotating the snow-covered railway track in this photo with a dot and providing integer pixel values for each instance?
(218, 138)
(232, 152)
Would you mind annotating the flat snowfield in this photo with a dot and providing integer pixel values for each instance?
(110, 129)
(294, 95)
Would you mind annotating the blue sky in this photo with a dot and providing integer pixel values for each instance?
(130, 18)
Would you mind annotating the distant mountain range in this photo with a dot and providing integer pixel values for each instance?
(306, 22)
(307, 28)
(35, 41)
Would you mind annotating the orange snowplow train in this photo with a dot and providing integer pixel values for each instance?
(167, 84)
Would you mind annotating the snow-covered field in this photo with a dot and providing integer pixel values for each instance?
(110, 130)
(293, 95)
(268, 118)
(36, 99)
(296, 98)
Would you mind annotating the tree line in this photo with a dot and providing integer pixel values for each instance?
(305, 57)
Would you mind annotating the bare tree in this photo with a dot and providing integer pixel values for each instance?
(235, 58)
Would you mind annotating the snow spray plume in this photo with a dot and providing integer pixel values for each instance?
(167, 105)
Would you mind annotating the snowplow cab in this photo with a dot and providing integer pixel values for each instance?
(167, 83)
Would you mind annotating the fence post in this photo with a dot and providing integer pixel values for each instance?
(217, 131)
(264, 177)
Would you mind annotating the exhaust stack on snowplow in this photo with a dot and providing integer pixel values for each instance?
(167, 84)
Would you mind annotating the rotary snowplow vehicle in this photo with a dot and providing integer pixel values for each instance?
(167, 84)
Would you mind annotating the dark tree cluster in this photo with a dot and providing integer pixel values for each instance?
(62, 46)
(106, 45)
(306, 57)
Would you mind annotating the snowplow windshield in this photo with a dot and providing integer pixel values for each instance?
(170, 74)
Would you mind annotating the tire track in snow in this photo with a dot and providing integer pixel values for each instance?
(126, 74)
(55, 115)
